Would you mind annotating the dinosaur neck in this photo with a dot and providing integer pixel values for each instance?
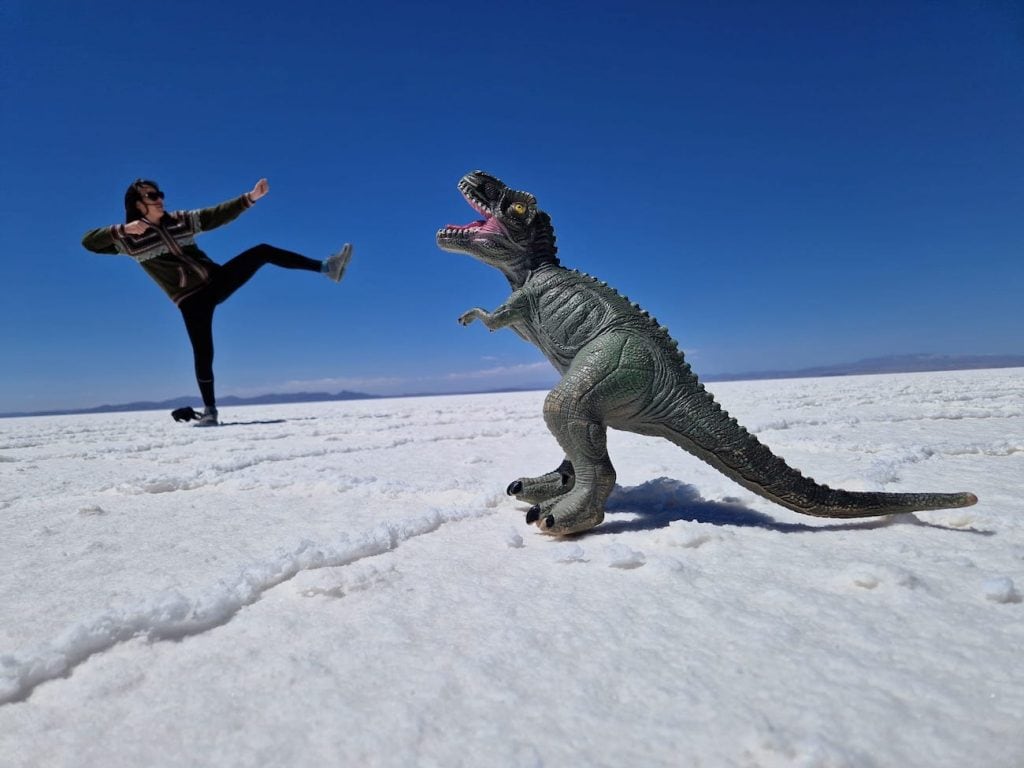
(517, 273)
(517, 278)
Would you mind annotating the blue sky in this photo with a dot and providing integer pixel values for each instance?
(782, 184)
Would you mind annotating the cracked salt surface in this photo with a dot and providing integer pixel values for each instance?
(348, 583)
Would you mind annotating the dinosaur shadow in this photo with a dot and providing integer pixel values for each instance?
(658, 503)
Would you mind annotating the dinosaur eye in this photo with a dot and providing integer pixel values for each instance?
(517, 208)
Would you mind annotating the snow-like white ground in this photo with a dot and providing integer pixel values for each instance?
(348, 584)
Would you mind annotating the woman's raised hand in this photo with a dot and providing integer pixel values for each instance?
(261, 188)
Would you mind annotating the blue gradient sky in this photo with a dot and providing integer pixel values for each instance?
(782, 184)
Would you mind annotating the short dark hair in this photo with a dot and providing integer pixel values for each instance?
(133, 196)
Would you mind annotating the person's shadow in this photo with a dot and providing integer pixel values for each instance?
(250, 423)
(658, 503)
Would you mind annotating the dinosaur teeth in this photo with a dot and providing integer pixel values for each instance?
(464, 227)
(474, 203)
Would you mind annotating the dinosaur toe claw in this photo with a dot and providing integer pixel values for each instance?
(533, 515)
(549, 522)
(514, 488)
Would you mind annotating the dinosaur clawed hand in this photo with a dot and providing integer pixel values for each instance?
(470, 315)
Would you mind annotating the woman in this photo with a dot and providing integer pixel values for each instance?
(164, 244)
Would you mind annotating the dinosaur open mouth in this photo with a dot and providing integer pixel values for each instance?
(488, 224)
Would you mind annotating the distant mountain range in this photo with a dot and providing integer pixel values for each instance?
(891, 364)
(178, 402)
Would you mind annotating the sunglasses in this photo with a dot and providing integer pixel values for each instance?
(152, 196)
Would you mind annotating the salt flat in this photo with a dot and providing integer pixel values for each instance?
(347, 583)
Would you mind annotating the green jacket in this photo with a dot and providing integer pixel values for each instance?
(168, 251)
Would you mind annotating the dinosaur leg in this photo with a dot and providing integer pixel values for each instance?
(534, 490)
(582, 436)
(605, 384)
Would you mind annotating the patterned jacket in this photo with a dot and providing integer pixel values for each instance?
(168, 251)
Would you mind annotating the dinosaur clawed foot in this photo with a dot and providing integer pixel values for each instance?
(571, 513)
(533, 516)
(535, 490)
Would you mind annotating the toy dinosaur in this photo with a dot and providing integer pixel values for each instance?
(620, 369)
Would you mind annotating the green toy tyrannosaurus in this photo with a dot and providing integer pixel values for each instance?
(620, 369)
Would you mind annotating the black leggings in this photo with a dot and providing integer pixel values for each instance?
(197, 309)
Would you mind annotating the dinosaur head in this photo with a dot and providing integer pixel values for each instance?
(513, 235)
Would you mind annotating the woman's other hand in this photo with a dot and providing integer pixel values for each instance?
(136, 227)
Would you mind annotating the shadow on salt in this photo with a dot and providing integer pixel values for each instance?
(660, 502)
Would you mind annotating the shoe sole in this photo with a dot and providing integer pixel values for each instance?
(345, 257)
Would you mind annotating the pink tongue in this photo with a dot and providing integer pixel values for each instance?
(466, 226)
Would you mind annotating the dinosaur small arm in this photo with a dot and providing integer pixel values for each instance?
(620, 369)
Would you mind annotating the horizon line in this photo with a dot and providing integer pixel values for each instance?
(925, 363)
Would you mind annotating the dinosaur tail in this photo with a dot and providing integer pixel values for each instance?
(699, 425)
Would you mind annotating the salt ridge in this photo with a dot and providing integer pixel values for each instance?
(173, 616)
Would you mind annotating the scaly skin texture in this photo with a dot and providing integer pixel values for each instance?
(620, 369)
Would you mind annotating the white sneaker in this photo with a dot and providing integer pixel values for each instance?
(336, 264)
(208, 418)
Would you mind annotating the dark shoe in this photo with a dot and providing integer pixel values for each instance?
(185, 414)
